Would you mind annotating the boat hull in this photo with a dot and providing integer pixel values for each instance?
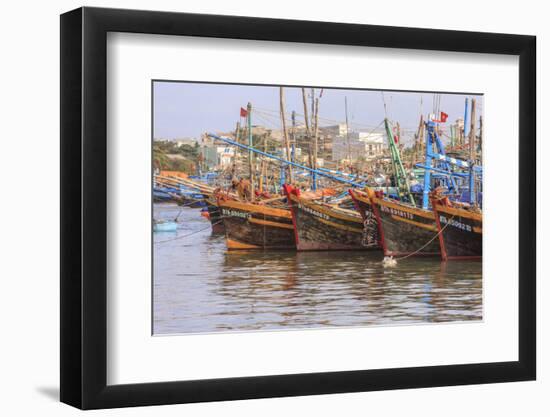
(461, 233)
(405, 230)
(214, 213)
(253, 226)
(370, 224)
(321, 227)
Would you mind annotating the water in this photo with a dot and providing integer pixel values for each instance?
(201, 287)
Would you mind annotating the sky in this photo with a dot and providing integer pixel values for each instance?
(183, 109)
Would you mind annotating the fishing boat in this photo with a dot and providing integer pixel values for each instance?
(163, 194)
(214, 212)
(460, 230)
(364, 208)
(322, 226)
(404, 230)
(256, 226)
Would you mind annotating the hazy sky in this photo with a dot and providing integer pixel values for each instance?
(190, 109)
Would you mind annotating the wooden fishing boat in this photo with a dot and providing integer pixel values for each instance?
(214, 212)
(256, 226)
(460, 231)
(404, 230)
(322, 226)
(370, 224)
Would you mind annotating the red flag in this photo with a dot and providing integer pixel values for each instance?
(443, 117)
(244, 113)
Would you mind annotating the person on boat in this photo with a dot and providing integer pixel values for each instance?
(438, 195)
(242, 186)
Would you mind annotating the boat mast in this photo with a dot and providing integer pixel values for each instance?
(285, 133)
(401, 180)
(250, 154)
(308, 131)
(315, 140)
(347, 129)
(472, 140)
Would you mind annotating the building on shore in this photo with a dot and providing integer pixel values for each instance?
(218, 156)
(185, 141)
(358, 145)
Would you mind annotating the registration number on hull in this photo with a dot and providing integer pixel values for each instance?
(396, 212)
(313, 212)
(455, 223)
(235, 213)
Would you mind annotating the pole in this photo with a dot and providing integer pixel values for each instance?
(472, 141)
(235, 156)
(465, 118)
(308, 132)
(347, 128)
(293, 135)
(480, 142)
(452, 130)
(250, 155)
(315, 142)
(305, 111)
(285, 133)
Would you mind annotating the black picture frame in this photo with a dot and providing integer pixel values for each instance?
(84, 207)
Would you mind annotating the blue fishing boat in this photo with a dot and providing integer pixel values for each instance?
(163, 193)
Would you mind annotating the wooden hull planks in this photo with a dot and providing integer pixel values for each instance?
(370, 224)
(461, 232)
(405, 230)
(253, 226)
(214, 213)
(319, 226)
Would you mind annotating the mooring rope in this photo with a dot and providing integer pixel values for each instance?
(430, 241)
(189, 234)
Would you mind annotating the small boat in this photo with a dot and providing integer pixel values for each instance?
(460, 230)
(322, 226)
(164, 226)
(255, 226)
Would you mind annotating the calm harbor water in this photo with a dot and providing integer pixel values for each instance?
(198, 286)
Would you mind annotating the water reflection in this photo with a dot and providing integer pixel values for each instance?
(200, 287)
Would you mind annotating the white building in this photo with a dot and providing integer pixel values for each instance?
(368, 145)
(218, 156)
(185, 141)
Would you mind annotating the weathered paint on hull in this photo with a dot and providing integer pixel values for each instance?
(370, 223)
(214, 213)
(252, 226)
(406, 230)
(319, 227)
(461, 234)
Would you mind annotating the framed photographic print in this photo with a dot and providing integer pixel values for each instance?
(258, 208)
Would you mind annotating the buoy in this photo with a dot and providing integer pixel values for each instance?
(389, 262)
